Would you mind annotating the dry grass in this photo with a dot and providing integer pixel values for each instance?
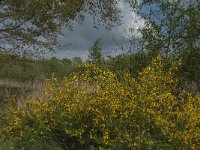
(21, 90)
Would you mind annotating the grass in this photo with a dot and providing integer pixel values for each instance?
(20, 89)
(9, 145)
(6, 145)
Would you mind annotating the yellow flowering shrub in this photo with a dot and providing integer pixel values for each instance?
(93, 109)
(164, 116)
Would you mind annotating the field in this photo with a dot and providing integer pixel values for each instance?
(21, 90)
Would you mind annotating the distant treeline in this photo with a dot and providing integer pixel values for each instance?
(23, 69)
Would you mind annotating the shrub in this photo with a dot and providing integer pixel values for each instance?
(92, 109)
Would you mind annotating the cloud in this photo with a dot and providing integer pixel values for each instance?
(83, 35)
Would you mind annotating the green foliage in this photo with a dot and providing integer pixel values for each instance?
(176, 35)
(95, 53)
(190, 69)
(93, 109)
(5, 144)
(66, 61)
(32, 20)
(6, 59)
(20, 69)
(132, 63)
(34, 26)
(130, 101)
(76, 61)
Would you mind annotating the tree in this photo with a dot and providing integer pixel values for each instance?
(66, 61)
(77, 61)
(33, 25)
(175, 31)
(128, 63)
(172, 29)
(95, 53)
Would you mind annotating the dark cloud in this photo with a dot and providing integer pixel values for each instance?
(83, 35)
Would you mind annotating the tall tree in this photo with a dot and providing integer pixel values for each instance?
(173, 29)
(95, 53)
(33, 25)
(77, 61)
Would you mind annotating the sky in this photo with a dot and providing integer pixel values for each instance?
(84, 34)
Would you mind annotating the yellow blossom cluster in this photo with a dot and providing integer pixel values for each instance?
(93, 109)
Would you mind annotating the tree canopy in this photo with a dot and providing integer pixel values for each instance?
(95, 53)
(33, 25)
(172, 28)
